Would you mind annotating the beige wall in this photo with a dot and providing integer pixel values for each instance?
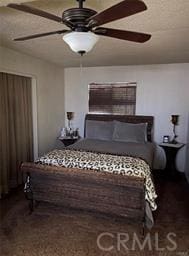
(162, 90)
(49, 89)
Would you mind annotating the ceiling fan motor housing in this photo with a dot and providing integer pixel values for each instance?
(77, 18)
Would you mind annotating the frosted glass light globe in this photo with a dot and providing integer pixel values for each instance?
(81, 42)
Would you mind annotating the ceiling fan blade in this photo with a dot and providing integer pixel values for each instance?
(41, 35)
(118, 11)
(123, 34)
(35, 11)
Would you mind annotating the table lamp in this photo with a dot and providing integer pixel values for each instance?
(174, 121)
(69, 117)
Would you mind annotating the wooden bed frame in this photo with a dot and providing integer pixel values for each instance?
(107, 193)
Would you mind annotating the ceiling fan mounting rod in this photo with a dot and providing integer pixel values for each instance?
(80, 3)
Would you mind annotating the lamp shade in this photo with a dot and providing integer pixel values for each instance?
(174, 119)
(81, 42)
(69, 115)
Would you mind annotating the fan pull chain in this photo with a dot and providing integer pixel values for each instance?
(81, 69)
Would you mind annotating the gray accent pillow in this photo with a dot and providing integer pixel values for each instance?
(129, 132)
(101, 130)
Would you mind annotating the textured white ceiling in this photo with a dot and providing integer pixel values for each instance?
(166, 20)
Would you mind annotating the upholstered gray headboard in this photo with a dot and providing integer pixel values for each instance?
(124, 118)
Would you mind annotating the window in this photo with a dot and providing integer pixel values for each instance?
(117, 98)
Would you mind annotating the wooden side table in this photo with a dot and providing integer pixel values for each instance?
(68, 140)
(171, 151)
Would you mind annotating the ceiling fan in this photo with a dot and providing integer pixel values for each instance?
(84, 24)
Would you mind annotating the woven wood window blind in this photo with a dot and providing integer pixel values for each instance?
(119, 98)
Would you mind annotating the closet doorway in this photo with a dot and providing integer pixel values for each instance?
(16, 128)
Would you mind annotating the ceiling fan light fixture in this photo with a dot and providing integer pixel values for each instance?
(81, 42)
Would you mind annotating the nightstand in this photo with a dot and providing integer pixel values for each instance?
(68, 140)
(171, 151)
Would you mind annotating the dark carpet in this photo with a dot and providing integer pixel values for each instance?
(52, 231)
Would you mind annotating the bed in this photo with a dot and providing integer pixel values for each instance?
(73, 185)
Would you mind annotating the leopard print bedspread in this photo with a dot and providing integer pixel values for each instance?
(123, 165)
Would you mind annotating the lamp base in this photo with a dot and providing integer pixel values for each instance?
(174, 141)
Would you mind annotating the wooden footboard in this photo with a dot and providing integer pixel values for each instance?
(107, 193)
